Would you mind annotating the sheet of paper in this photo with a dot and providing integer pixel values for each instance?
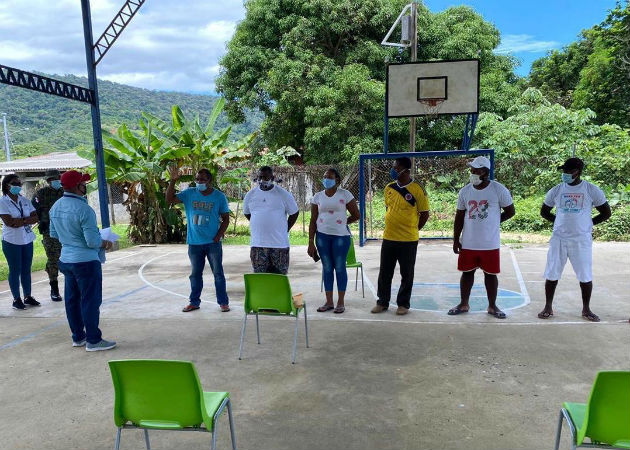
(108, 235)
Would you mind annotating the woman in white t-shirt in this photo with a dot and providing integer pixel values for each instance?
(18, 215)
(328, 230)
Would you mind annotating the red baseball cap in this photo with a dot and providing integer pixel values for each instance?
(72, 178)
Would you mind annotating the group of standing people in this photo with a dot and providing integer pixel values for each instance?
(73, 243)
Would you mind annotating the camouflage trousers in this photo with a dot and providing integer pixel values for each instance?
(53, 251)
(270, 260)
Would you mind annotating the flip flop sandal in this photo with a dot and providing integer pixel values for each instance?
(339, 309)
(189, 308)
(498, 314)
(457, 310)
(591, 317)
(544, 315)
(325, 308)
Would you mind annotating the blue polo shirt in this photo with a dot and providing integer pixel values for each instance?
(203, 214)
(73, 223)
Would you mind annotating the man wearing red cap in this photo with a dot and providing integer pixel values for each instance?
(574, 199)
(73, 223)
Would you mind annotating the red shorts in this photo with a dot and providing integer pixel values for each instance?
(486, 260)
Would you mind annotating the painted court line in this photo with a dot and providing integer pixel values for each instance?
(59, 323)
(46, 279)
(519, 277)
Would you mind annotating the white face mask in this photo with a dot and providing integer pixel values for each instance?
(475, 179)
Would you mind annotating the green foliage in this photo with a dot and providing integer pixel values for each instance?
(617, 228)
(277, 157)
(594, 71)
(539, 136)
(41, 123)
(316, 69)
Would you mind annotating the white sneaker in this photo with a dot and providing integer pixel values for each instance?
(80, 343)
(100, 346)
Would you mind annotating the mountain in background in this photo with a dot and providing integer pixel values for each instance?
(40, 123)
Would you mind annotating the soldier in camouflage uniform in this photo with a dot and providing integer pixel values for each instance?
(43, 201)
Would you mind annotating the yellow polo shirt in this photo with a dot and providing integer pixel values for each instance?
(404, 204)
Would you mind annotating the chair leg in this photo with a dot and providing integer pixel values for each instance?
(146, 439)
(214, 438)
(321, 288)
(559, 431)
(257, 329)
(240, 349)
(117, 444)
(233, 437)
(306, 326)
(362, 286)
(356, 280)
(295, 338)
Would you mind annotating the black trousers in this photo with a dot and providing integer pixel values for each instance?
(405, 254)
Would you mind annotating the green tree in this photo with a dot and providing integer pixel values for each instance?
(317, 70)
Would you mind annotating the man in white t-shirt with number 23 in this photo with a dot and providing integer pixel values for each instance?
(574, 200)
(479, 217)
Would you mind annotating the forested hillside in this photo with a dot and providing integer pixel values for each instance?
(40, 123)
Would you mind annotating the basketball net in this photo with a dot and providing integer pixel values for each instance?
(432, 107)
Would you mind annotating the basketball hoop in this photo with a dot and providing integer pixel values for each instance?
(432, 107)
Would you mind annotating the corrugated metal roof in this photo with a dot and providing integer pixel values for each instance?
(57, 160)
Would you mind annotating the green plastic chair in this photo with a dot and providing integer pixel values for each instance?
(165, 395)
(351, 263)
(605, 419)
(270, 294)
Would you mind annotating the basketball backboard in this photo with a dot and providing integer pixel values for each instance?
(430, 88)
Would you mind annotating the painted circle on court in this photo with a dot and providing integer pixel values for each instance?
(443, 296)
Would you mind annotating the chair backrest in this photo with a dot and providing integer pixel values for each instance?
(607, 417)
(156, 390)
(351, 257)
(268, 291)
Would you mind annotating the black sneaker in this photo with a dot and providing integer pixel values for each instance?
(17, 304)
(30, 301)
(55, 297)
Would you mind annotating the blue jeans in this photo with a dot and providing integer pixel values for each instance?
(333, 251)
(19, 258)
(197, 255)
(83, 295)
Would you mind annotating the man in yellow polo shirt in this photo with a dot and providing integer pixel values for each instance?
(407, 211)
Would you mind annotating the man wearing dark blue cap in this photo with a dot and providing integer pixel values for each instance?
(571, 239)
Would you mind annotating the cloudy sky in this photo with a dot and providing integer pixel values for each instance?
(175, 45)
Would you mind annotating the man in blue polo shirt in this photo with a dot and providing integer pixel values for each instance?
(73, 223)
(207, 217)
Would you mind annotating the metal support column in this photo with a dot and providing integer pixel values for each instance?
(362, 230)
(96, 115)
(414, 58)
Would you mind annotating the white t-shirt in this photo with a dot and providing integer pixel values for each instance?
(269, 210)
(573, 208)
(483, 215)
(332, 217)
(22, 208)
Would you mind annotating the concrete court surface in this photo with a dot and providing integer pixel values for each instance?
(426, 380)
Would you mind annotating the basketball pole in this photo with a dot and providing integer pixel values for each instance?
(414, 58)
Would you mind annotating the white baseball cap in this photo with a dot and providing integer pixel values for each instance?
(479, 162)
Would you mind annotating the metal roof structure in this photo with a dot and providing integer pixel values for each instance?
(57, 160)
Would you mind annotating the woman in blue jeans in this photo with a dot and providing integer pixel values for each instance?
(18, 216)
(328, 230)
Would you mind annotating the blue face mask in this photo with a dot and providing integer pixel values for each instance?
(55, 184)
(201, 187)
(329, 183)
(393, 174)
(15, 190)
(567, 178)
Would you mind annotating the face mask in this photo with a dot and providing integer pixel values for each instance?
(475, 179)
(15, 190)
(265, 185)
(329, 183)
(567, 178)
(55, 184)
(82, 189)
(393, 174)
(201, 187)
